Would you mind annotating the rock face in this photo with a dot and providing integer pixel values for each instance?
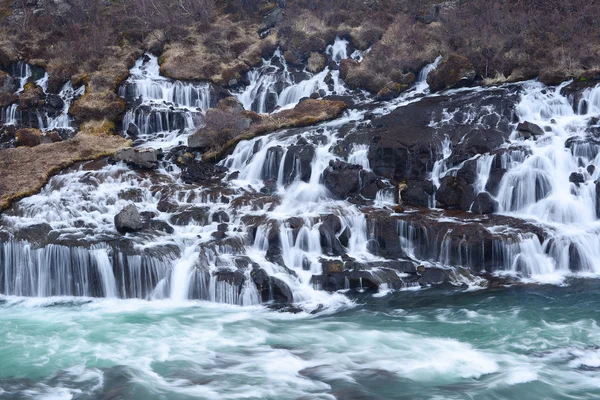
(529, 130)
(139, 158)
(453, 71)
(128, 220)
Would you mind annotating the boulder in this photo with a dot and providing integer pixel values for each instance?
(298, 163)
(576, 178)
(417, 193)
(139, 158)
(528, 130)
(341, 178)
(455, 193)
(128, 220)
(484, 204)
(198, 171)
(454, 71)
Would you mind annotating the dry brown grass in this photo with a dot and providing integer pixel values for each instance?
(27, 169)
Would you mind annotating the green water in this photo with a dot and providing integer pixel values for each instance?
(537, 342)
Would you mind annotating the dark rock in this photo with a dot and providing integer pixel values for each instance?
(138, 158)
(328, 230)
(189, 216)
(484, 204)
(273, 18)
(128, 220)
(455, 193)
(166, 206)
(529, 130)
(271, 288)
(200, 172)
(297, 163)
(132, 130)
(162, 226)
(591, 169)
(433, 276)
(341, 178)
(576, 178)
(55, 102)
(134, 195)
(417, 193)
(220, 216)
(468, 172)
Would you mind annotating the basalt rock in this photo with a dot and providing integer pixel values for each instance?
(455, 193)
(529, 130)
(128, 220)
(484, 204)
(139, 158)
(417, 193)
(454, 71)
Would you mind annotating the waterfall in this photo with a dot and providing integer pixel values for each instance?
(275, 86)
(274, 225)
(163, 112)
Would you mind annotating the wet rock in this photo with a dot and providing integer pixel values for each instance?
(477, 141)
(341, 178)
(271, 288)
(161, 226)
(576, 178)
(128, 220)
(468, 172)
(132, 130)
(195, 215)
(54, 102)
(591, 169)
(297, 163)
(166, 206)
(484, 204)
(417, 193)
(454, 71)
(272, 163)
(455, 192)
(597, 183)
(134, 195)
(328, 230)
(201, 172)
(433, 276)
(494, 180)
(220, 216)
(528, 130)
(139, 158)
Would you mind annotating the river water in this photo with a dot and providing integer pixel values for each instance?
(511, 343)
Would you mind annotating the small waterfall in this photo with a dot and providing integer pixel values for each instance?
(421, 84)
(9, 115)
(275, 86)
(161, 110)
(63, 120)
(22, 72)
(338, 50)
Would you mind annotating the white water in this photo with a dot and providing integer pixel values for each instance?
(274, 86)
(163, 109)
(80, 205)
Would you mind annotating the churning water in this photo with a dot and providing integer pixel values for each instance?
(521, 343)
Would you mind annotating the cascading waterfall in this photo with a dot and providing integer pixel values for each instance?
(274, 86)
(162, 106)
(187, 263)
